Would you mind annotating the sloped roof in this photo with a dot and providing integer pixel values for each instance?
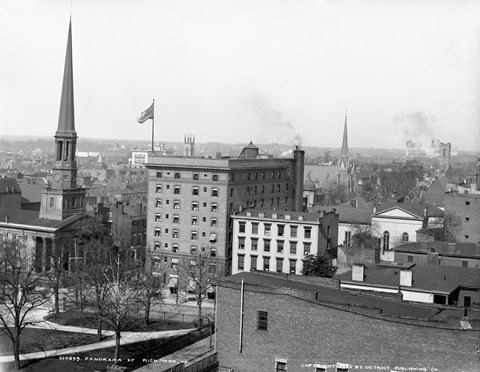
(309, 185)
(32, 192)
(8, 184)
(350, 215)
(31, 219)
(359, 202)
(439, 279)
(416, 209)
(444, 248)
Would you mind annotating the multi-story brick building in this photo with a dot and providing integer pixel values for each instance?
(268, 323)
(278, 241)
(190, 199)
(466, 206)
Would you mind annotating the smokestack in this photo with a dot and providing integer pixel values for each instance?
(298, 174)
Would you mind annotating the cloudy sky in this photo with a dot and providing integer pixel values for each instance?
(239, 70)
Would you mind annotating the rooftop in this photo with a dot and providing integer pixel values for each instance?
(416, 209)
(350, 215)
(281, 215)
(443, 248)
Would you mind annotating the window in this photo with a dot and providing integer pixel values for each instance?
(215, 177)
(292, 268)
(175, 234)
(194, 235)
(267, 229)
(176, 218)
(177, 175)
(279, 188)
(176, 189)
(231, 193)
(409, 258)
(158, 188)
(166, 216)
(467, 219)
(281, 230)
(158, 217)
(467, 203)
(214, 192)
(293, 231)
(231, 176)
(195, 190)
(241, 227)
(195, 221)
(231, 208)
(286, 200)
(159, 174)
(266, 245)
(279, 265)
(261, 203)
(212, 269)
(328, 231)
(464, 263)
(272, 188)
(168, 187)
(263, 320)
(254, 244)
(158, 203)
(466, 236)
(213, 222)
(263, 175)
(280, 246)
(52, 201)
(241, 243)
(386, 240)
(157, 232)
(348, 238)
(193, 249)
(307, 232)
(405, 237)
(156, 246)
(241, 261)
(194, 206)
(253, 263)
(262, 189)
(467, 301)
(176, 204)
(281, 367)
(195, 176)
(174, 247)
(306, 248)
(214, 207)
(266, 263)
(254, 190)
(167, 201)
(293, 247)
(286, 186)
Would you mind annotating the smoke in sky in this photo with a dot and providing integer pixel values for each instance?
(272, 124)
(417, 128)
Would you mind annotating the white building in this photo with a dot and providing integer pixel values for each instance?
(278, 241)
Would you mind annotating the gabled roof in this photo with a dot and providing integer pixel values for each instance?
(415, 209)
(31, 192)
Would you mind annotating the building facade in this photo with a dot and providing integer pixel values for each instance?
(278, 241)
(191, 199)
(466, 206)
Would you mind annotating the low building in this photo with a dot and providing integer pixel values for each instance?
(439, 253)
(277, 241)
(444, 285)
(269, 323)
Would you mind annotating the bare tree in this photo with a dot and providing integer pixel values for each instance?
(19, 293)
(200, 270)
(364, 235)
(58, 274)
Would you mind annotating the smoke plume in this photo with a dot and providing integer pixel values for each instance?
(417, 128)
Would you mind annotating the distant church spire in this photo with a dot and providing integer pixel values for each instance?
(62, 197)
(344, 152)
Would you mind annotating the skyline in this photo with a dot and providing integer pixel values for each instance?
(235, 71)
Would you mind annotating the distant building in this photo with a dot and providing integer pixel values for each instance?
(467, 207)
(439, 253)
(346, 171)
(10, 193)
(270, 323)
(191, 199)
(278, 241)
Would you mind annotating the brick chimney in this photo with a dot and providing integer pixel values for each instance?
(406, 278)
(358, 272)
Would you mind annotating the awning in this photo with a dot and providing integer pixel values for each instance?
(213, 237)
(174, 260)
(173, 283)
(192, 285)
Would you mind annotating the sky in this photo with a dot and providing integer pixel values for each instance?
(237, 71)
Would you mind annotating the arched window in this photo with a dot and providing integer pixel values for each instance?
(386, 240)
(405, 237)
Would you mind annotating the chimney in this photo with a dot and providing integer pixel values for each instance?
(406, 278)
(274, 215)
(7, 219)
(451, 247)
(249, 214)
(358, 272)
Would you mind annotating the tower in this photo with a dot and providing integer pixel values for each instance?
(62, 197)
(189, 145)
(344, 163)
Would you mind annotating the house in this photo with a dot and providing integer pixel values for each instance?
(267, 322)
(277, 241)
(439, 253)
(444, 285)
(397, 223)
(435, 194)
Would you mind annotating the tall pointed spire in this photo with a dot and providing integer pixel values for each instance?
(66, 119)
(344, 153)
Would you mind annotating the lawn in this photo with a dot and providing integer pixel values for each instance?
(34, 339)
(88, 320)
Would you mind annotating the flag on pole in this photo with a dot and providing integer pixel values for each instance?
(147, 114)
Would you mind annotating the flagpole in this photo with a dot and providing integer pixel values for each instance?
(153, 125)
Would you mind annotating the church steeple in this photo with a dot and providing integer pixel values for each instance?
(62, 198)
(344, 161)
